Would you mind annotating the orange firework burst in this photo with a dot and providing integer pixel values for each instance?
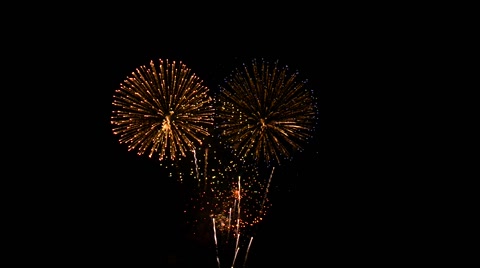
(162, 109)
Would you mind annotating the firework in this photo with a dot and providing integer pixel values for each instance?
(222, 185)
(162, 109)
(261, 113)
(235, 218)
(264, 112)
(229, 204)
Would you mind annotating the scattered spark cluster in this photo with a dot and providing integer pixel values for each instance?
(163, 109)
(261, 114)
(233, 198)
(229, 191)
(264, 113)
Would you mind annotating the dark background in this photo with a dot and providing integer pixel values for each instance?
(369, 188)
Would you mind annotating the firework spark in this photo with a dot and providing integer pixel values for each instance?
(240, 230)
(162, 109)
(227, 185)
(264, 113)
(232, 200)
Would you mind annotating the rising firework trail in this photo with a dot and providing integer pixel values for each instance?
(248, 249)
(216, 243)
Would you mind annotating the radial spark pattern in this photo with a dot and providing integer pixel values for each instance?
(264, 112)
(162, 109)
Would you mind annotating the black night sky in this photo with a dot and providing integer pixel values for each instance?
(360, 193)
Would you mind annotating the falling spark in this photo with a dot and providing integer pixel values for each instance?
(196, 166)
(205, 170)
(266, 191)
(238, 216)
(229, 220)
